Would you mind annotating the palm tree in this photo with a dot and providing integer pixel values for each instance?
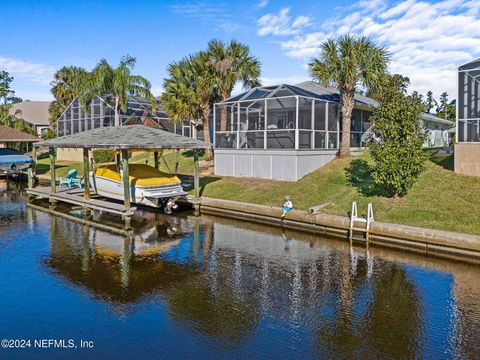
(349, 62)
(189, 92)
(232, 63)
(119, 83)
(64, 89)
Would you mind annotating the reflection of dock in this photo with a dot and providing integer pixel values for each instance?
(75, 197)
(82, 220)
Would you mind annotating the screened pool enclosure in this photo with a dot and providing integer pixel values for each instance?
(277, 117)
(286, 117)
(468, 122)
(283, 132)
(101, 113)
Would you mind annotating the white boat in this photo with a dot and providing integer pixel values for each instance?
(148, 186)
(12, 160)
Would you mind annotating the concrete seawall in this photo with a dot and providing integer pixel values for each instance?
(420, 240)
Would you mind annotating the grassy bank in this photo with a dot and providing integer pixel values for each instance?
(440, 199)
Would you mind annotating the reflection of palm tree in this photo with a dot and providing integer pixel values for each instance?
(394, 314)
(196, 304)
(207, 239)
(388, 325)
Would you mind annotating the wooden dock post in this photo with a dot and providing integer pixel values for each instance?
(86, 170)
(53, 179)
(196, 174)
(34, 164)
(196, 182)
(30, 178)
(31, 169)
(126, 187)
(156, 159)
(125, 175)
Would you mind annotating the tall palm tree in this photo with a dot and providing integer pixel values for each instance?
(119, 83)
(189, 92)
(64, 89)
(349, 62)
(232, 63)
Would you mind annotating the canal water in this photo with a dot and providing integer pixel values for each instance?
(183, 287)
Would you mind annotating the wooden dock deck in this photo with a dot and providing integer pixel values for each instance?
(75, 197)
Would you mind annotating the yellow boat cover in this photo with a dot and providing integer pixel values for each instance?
(139, 174)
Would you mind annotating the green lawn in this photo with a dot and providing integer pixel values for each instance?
(185, 164)
(440, 199)
(61, 168)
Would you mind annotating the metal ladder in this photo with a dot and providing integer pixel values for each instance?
(354, 218)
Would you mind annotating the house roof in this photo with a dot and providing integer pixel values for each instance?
(315, 90)
(33, 112)
(471, 63)
(307, 88)
(125, 137)
(262, 92)
(472, 69)
(436, 119)
(13, 135)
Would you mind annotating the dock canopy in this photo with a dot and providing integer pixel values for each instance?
(125, 137)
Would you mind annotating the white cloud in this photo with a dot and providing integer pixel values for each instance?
(262, 3)
(218, 15)
(427, 39)
(24, 70)
(304, 46)
(281, 23)
(157, 90)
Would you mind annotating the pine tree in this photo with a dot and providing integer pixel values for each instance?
(430, 102)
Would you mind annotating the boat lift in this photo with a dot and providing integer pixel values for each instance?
(121, 139)
(354, 218)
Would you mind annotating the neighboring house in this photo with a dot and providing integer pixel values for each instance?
(35, 113)
(102, 113)
(437, 130)
(9, 136)
(285, 131)
(467, 148)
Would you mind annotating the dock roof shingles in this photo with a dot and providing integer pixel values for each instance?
(125, 137)
(13, 135)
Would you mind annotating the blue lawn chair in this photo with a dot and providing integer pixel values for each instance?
(71, 180)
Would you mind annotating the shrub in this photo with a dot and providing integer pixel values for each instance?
(103, 156)
(49, 134)
(396, 142)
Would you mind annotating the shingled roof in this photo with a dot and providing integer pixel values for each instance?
(125, 137)
(13, 135)
(33, 112)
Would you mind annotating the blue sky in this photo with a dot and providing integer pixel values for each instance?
(427, 39)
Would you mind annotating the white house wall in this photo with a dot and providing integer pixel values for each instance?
(289, 165)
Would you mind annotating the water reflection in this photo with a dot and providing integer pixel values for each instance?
(260, 291)
(13, 212)
(115, 269)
